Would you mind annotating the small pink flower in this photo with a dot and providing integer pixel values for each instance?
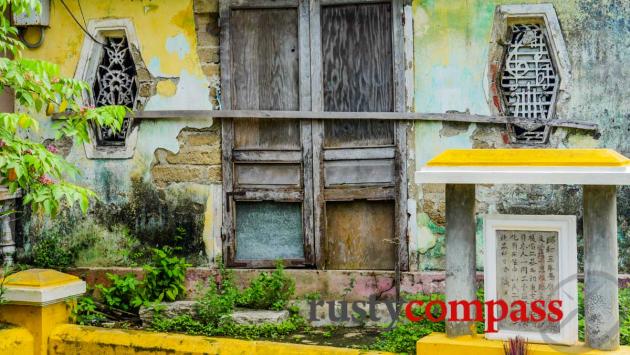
(46, 180)
(55, 80)
(51, 148)
(2, 143)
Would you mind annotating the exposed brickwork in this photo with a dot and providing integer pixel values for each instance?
(198, 159)
(207, 28)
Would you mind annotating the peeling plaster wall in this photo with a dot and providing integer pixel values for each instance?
(451, 45)
(150, 195)
(173, 179)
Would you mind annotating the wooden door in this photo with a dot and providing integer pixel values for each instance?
(358, 160)
(267, 162)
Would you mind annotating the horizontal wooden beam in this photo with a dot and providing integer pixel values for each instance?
(396, 116)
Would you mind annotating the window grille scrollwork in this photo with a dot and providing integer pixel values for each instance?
(115, 84)
(529, 82)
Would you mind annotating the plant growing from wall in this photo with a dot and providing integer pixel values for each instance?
(165, 276)
(43, 175)
(269, 290)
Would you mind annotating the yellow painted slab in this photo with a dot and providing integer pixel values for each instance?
(439, 344)
(79, 340)
(530, 157)
(38, 278)
(16, 341)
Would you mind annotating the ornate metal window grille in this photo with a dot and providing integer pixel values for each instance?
(529, 82)
(115, 84)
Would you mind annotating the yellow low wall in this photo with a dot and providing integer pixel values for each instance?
(16, 341)
(439, 344)
(82, 340)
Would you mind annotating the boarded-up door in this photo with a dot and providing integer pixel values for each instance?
(358, 165)
(268, 207)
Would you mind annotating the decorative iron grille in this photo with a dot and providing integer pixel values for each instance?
(115, 84)
(529, 82)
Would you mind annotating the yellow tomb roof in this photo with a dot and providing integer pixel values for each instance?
(530, 158)
(39, 278)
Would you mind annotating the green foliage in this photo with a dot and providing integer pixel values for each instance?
(164, 281)
(189, 325)
(402, 338)
(213, 308)
(219, 299)
(86, 312)
(624, 316)
(125, 293)
(268, 290)
(165, 276)
(38, 171)
(51, 253)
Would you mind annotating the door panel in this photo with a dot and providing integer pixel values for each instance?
(357, 58)
(267, 202)
(265, 71)
(359, 172)
(358, 133)
(261, 133)
(359, 163)
(360, 235)
(268, 174)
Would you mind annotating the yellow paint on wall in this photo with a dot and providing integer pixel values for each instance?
(166, 19)
(166, 88)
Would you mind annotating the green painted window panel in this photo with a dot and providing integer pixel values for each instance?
(269, 230)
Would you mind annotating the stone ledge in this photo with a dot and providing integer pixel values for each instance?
(438, 343)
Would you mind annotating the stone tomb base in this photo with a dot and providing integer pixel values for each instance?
(438, 343)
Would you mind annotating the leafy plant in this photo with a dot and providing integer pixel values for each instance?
(219, 299)
(50, 252)
(124, 294)
(86, 312)
(269, 290)
(42, 174)
(165, 276)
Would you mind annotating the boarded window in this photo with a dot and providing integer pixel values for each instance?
(264, 49)
(357, 72)
(360, 235)
(269, 231)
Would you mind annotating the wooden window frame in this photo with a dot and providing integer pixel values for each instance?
(312, 134)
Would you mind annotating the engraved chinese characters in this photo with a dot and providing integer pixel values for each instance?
(527, 270)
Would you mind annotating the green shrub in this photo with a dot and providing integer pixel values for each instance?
(86, 312)
(124, 294)
(219, 300)
(51, 253)
(165, 277)
(268, 290)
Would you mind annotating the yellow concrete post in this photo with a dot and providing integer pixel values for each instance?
(39, 300)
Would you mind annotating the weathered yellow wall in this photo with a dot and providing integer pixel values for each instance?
(78, 340)
(129, 189)
(16, 341)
